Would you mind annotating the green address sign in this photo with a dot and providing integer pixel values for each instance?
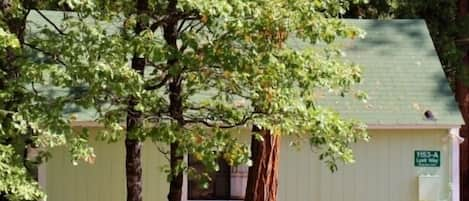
(426, 158)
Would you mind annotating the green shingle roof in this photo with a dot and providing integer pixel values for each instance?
(402, 75)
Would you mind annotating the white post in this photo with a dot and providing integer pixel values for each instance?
(455, 141)
(185, 182)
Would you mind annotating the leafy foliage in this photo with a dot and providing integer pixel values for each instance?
(231, 61)
(14, 180)
(30, 118)
(13, 177)
(209, 66)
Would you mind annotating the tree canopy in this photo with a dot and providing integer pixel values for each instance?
(180, 73)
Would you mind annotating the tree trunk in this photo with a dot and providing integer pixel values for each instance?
(133, 169)
(133, 146)
(176, 110)
(175, 106)
(462, 97)
(263, 174)
(175, 186)
(463, 100)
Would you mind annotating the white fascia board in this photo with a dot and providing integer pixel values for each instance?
(86, 124)
(369, 126)
(411, 126)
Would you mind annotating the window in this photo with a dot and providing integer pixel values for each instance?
(227, 184)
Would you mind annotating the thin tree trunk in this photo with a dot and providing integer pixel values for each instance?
(175, 107)
(263, 174)
(133, 146)
(133, 169)
(175, 187)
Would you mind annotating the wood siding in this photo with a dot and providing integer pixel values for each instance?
(384, 171)
(105, 180)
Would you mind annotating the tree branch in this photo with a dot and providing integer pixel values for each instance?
(50, 22)
(174, 16)
(52, 55)
(34, 89)
(158, 23)
(7, 111)
(160, 84)
(226, 125)
(165, 153)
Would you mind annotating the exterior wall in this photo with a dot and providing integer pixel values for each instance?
(105, 180)
(384, 171)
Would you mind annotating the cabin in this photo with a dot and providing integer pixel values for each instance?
(412, 118)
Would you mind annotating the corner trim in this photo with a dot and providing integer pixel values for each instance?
(453, 133)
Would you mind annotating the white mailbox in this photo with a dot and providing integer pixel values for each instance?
(429, 187)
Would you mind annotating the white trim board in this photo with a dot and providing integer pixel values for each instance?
(412, 126)
(456, 140)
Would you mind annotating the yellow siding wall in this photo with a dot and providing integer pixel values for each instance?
(105, 180)
(384, 171)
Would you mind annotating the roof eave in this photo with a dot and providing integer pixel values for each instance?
(411, 126)
(369, 126)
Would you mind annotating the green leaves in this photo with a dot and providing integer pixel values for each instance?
(78, 4)
(237, 63)
(14, 181)
(8, 40)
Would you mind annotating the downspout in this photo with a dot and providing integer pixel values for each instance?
(455, 140)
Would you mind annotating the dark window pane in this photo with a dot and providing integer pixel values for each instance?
(227, 184)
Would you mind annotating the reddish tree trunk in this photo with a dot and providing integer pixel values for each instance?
(263, 174)
(462, 94)
(462, 97)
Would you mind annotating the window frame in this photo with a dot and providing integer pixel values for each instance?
(229, 181)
